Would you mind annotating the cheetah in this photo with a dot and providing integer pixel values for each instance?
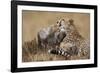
(73, 44)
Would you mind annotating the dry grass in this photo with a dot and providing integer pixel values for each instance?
(32, 52)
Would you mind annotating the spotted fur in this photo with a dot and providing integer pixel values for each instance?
(73, 43)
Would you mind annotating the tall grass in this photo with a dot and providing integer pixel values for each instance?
(32, 52)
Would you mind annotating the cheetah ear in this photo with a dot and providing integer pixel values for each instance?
(71, 21)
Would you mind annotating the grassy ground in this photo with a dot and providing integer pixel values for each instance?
(31, 52)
